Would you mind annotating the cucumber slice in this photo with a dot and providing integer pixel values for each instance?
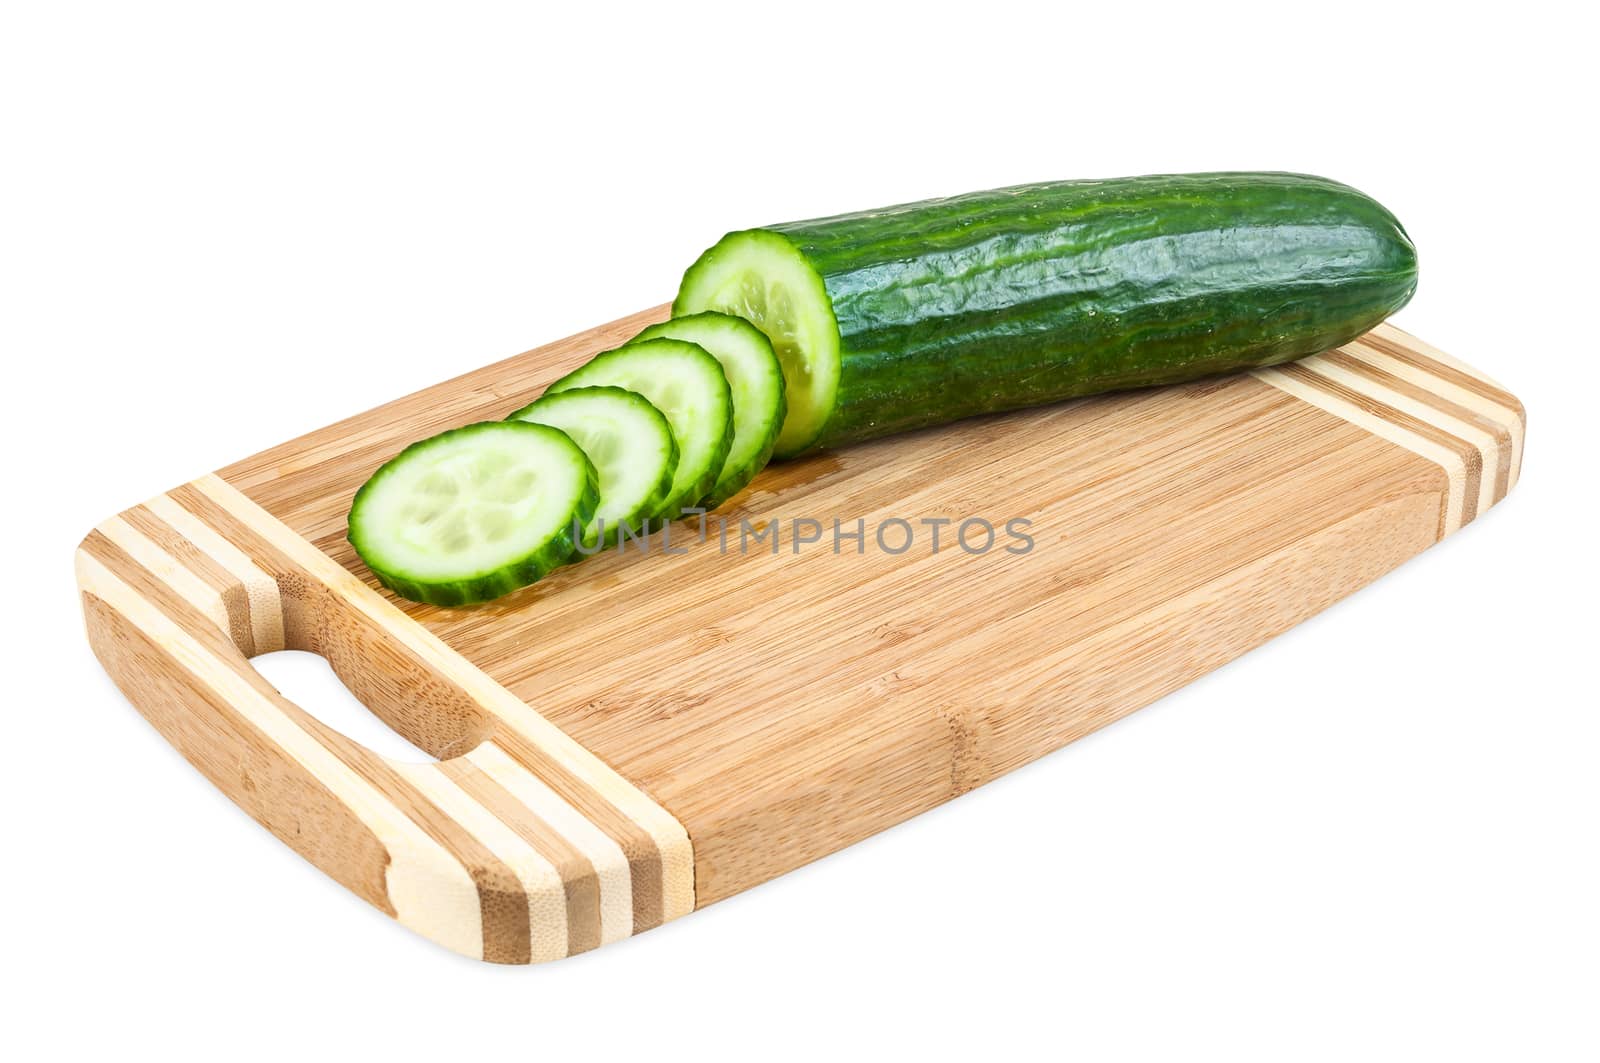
(473, 513)
(756, 381)
(630, 444)
(762, 277)
(687, 385)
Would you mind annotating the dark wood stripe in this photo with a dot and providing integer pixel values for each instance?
(159, 593)
(645, 869)
(644, 857)
(1498, 430)
(502, 901)
(1469, 453)
(578, 876)
(235, 596)
(1449, 373)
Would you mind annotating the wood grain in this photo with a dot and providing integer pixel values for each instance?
(540, 853)
(768, 706)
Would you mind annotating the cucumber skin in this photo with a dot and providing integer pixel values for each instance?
(1021, 296)
(548, 556)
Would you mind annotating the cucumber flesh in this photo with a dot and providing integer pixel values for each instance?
(755, 379)
(630, 445)
(688, 386)
(763, 278)
(473, 513)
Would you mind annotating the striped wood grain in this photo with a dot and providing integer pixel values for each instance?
(520, 846)
(772, 707)
(1431, 405)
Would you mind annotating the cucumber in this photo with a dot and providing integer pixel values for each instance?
(921, 314)
(688, 386)
(756, 381)
(473, 513)
(630, 445)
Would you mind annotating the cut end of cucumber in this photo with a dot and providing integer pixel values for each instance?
(473, 513)
(762, 277)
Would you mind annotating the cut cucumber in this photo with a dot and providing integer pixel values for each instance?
(688, 386)
(756, 382)
(630, 444)
(920, 314)
(473, 513)
(762, 277)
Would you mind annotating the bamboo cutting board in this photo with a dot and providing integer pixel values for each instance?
(638, 736)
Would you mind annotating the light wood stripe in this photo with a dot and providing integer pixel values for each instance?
(1363, 381)
(168, 570)
(1404, 378)
(1454, 379)
(649, 875)
(1406, 348)
(430, 891)
(266, 604)
(1447, 458)
(540, 880)
(580, 887)
(592, 786)
(1472, 460)
(1389, 337)
(234, 599)
(194, 614)
(602, 852)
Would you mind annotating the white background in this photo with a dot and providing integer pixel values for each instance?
(225, 225)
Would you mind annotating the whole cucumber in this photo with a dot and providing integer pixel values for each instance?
(915, 315)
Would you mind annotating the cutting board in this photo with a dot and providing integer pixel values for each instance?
(640, 735)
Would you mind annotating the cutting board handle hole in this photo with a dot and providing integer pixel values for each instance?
(306, 679)
(363, 683)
